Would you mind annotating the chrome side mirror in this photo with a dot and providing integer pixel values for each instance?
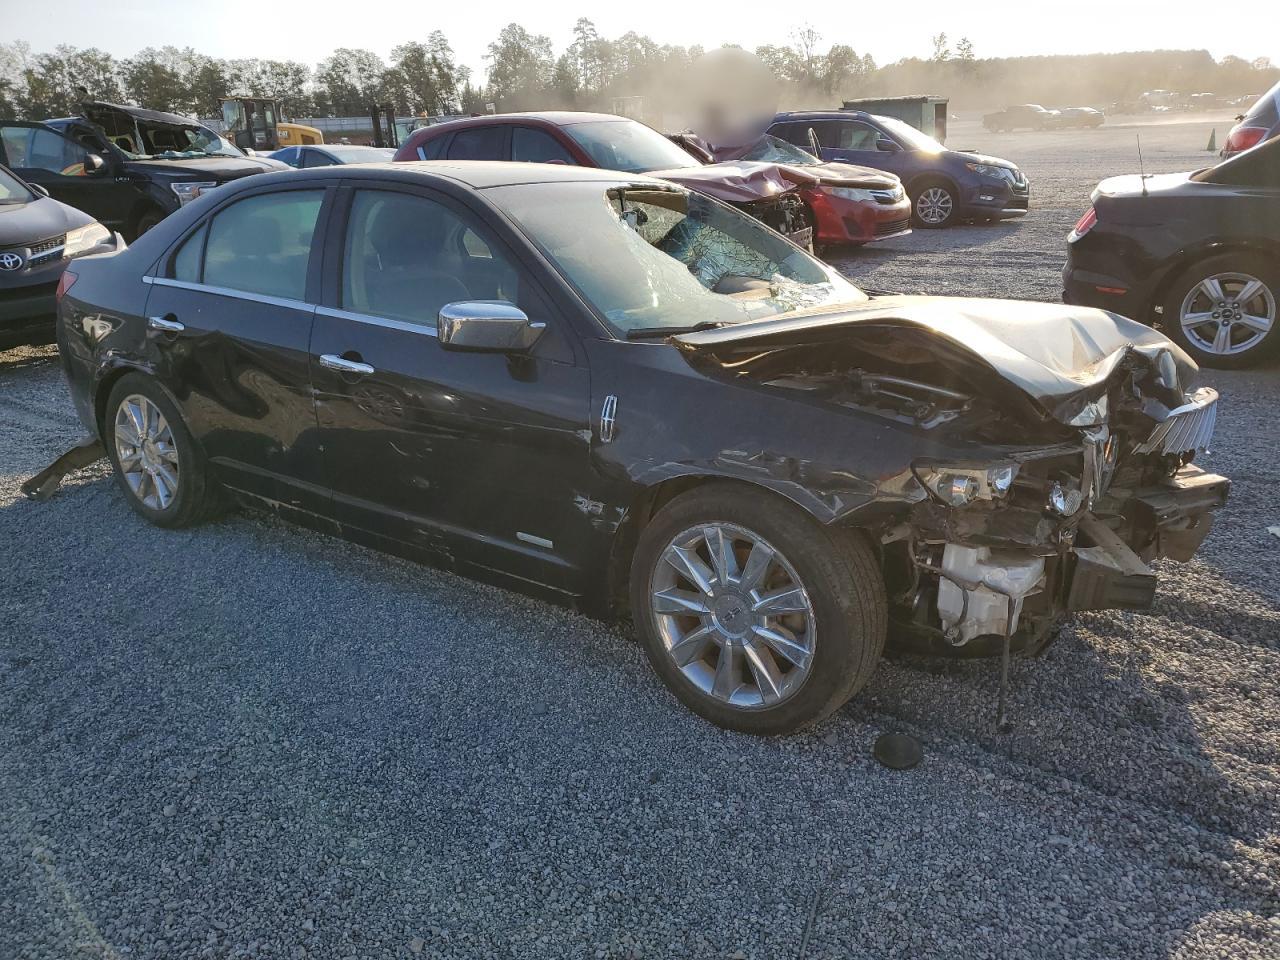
(93, 163)
(490, 325)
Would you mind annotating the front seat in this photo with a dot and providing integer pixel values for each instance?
(403, 276)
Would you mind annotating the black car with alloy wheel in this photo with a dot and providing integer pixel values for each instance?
(609, 390)
(1197, 254)
(38, 237)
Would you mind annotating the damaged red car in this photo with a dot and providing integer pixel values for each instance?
(850, 205)
(771, 193)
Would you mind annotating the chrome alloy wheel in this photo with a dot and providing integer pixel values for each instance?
(1228, 313)
(147, 454)
(733, 615)
(934, 205)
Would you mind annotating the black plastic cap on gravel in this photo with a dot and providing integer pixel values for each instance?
(897, 751)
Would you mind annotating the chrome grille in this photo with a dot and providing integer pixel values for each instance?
(46, 250)
(1189, 427)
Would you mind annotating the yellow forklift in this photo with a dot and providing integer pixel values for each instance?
(252, 123)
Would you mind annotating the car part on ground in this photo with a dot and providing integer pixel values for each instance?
(38, 237)
(989, 450)
(1194, 253)
(945, 186)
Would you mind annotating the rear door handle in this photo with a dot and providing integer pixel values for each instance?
(342, 365)
(165, 325)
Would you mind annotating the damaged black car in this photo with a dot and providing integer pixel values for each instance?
(607, 390)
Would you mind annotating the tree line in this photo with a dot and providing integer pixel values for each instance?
(524, 71)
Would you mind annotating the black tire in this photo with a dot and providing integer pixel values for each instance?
(146, 220)
(197, 497)
(837, 569)
(919, 191)
(1234, 266)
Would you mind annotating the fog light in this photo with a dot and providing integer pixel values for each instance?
(957, 490)
(1064, 502)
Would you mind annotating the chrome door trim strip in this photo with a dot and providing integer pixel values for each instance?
(401, 325)
(536, 541)
(228, 292)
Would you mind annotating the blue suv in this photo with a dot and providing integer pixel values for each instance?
(945, 186)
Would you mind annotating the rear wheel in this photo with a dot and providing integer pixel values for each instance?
(934, 205)
(158, 464)
(757, 617)
(1223, 311)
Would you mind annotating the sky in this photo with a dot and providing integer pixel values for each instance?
(307, 30)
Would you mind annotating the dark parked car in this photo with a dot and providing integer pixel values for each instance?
(769, 192)
(1197, 253)
(1261, 123)
(1024, 116)
(613, 391)
(331, 155)
(38, 236)
(126, 167)
(945, 186)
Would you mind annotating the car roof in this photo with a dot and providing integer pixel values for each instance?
(823, 115)
(478, 174)
(555, 118)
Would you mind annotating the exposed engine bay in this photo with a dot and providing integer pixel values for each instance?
(1038, 488)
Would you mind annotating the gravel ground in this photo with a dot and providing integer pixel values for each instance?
(251, 741)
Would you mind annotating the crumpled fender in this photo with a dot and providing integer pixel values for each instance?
(744, 181)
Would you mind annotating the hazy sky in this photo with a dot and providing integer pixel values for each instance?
(307, 30)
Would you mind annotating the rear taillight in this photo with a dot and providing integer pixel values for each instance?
(1242, 138)
(65, 283)
(1083, 225)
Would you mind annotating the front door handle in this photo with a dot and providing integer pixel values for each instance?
(165, 325)
(342, 365)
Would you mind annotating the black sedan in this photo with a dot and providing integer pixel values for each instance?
(1195, 253)
(38, 235)
(608, 390)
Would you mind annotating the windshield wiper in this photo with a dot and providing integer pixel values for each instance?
(653, 333)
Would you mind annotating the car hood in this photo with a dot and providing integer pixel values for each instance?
(1063, 358)
(741, 181)
(968, 156)
(215, 168)
(833, 174)
(24, 223)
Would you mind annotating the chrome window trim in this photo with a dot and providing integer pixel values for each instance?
(229, 292)
(402, 325)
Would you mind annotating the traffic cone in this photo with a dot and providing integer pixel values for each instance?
(1213, 141)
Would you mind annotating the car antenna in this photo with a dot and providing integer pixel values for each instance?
(1142, 173)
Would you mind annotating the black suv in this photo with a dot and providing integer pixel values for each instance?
(126, 167)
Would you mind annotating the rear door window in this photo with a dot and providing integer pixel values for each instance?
(480, 143)
(262, 244)
(530, 145)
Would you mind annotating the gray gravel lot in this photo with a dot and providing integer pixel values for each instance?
(247, 740)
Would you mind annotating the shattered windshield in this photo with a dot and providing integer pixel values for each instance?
(628, 146)
(166, 141)
(649, 256)
(770, 149)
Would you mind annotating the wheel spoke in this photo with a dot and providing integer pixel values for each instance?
(129, 461)
(158, 425)
(144, 418)
(1213, 289)
(166, 485)
(690, 565)
(720, 548)
(1222, 339)
(167, 451)
(1197, 319)
(678, 602)
(782, 643)
(1255, 323)
(767, 676)
(1248, 292)
(781, 601)
(728, 672)
(757, 566)
(692, 647)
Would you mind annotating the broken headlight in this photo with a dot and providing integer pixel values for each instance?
(959, 485)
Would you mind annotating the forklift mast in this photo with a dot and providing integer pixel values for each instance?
(385, 132)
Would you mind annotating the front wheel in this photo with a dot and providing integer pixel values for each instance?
(1223, 311)
(758, 618)
(934, 206)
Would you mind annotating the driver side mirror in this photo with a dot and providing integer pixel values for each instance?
(493, 326)
(93, 163)
(885, 145)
